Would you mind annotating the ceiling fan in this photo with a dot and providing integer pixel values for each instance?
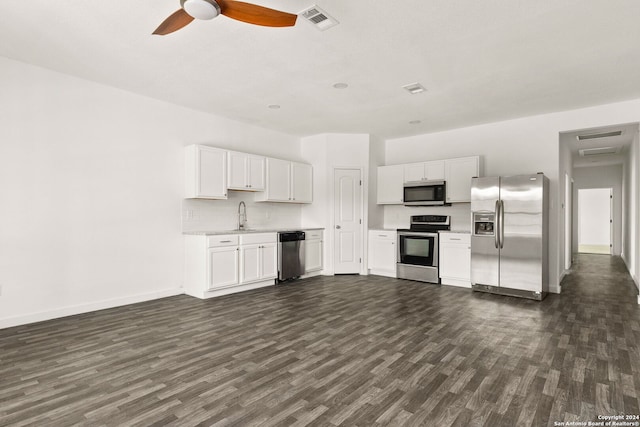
(209, 9)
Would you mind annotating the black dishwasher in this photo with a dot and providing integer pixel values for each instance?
(290, 255)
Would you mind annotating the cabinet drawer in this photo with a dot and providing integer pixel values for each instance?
(462, 238)
(254, 239)
(383, 235)
(313, 234)
(222, 240)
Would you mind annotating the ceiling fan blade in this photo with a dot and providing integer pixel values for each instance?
(257, 15)
(177, 20)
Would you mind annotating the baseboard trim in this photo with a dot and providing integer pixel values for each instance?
(555, 289)
(9, 322)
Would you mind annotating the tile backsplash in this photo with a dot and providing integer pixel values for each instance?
(398, 216)
(218, 215)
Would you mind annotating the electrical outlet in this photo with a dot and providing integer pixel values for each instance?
(189, 213)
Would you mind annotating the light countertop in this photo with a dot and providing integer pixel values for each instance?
(247, 231)
(456, 231)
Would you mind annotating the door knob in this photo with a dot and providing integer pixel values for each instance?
(338, 227)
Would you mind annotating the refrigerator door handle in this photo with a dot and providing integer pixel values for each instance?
(501, 224)
(496, 231)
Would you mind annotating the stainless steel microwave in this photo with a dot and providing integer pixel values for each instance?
(425, 193)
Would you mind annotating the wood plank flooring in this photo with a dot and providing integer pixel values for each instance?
(349, 350)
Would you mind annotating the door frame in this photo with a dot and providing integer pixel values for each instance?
(332, 220)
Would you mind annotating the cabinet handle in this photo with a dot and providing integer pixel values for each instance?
(453, 238)
(382, 235)
(225, 241)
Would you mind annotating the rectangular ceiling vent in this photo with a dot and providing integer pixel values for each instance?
(319, 18)
(599, 151)
(599, 135)
(414, 88)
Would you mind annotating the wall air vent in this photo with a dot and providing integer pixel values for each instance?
(587, 152)
(599, 135)
(319, 18)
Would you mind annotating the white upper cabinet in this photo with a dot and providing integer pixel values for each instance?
(390, 184)
(301, 183)
(287, 181)
(424, 171)
(458, 174)
(206, 172)
(245, 171)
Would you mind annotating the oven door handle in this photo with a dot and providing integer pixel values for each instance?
(496, 226)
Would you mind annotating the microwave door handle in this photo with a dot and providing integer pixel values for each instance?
(496, 226)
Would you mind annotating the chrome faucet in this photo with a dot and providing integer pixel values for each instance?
(242, 216)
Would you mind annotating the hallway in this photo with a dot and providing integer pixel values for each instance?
(602, 336)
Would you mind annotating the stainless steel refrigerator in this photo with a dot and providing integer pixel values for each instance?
(509, 235)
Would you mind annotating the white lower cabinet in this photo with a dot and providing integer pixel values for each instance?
(382, 252)
(258, 257)
(313, 251)
(223, 264)
(222, 267)
(455, 259)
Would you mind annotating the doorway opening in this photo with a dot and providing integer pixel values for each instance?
(595, 220)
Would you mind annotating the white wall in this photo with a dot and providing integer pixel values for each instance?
(376, 158)
(600, 177)
(631, 211)
(91, 179)
(327, 152)
(525, 145)
(567, 205)
(594, 214)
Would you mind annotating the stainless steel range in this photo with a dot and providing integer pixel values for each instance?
(418, 248)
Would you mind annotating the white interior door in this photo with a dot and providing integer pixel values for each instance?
(348, 221)
(594, 220)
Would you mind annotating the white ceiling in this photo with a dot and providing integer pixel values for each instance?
(481, 61)
(621, 142)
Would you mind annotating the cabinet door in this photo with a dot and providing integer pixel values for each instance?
(455, 261)
(269, 261)
(301, 183)
(249, 263)
(434, 170)
(382, 254)
(390, 184)
(278, 180)
(414, 172)
(207, 172)
(237, 174)
(223, 267)
(255, 169)
(458, 174)
(313, 255)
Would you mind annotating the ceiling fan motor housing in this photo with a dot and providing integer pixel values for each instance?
(201, 9)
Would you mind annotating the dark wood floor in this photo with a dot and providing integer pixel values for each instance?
(350, 350)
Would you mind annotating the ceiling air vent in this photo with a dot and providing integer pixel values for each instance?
(414, 88)
(319, 18)
(599, 151)
(599, 135)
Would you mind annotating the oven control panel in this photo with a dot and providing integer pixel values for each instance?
(483, 224)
